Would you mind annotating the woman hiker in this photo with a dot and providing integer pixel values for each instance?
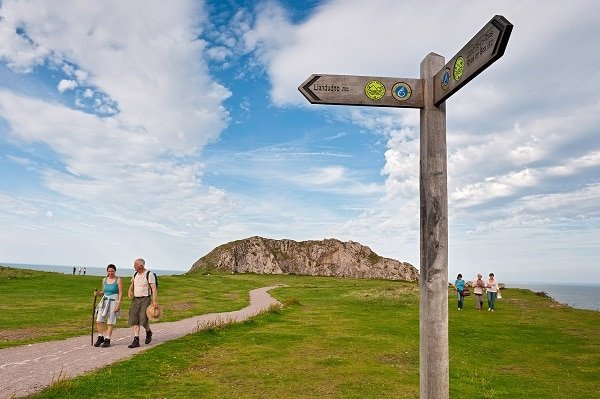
(479, 285)
(109, 307)
(492, 292)
(460, 286)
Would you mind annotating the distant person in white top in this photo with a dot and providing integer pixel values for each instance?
(492, 292)
(142, 293)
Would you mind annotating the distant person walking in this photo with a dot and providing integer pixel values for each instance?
(478, 290)
(109, 307)
(142, 293)
(492, 291)
(74, 269)
(460, 286)
(80, 270)
(84, 270)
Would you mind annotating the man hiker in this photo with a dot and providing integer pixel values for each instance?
(142, 293)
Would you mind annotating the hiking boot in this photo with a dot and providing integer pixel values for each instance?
(148, 337)
(135, 343)
(99, 341)
(106, 343)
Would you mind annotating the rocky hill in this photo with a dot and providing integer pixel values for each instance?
(329, 257)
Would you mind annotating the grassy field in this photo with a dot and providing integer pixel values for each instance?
(334, 338)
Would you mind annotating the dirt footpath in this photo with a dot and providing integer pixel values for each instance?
(31, 368)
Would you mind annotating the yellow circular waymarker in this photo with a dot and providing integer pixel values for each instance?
(375, 90)
(459, 65)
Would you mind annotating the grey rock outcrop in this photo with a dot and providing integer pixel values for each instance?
(329, 257)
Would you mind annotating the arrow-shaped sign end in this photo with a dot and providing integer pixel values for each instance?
(307, 92)
(505, 27)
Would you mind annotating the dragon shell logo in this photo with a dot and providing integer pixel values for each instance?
(446, 79)
(401, 91)
(375, 90)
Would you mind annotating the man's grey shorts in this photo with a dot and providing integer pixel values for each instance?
(137, 311)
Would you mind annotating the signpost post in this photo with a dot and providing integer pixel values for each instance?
(429, 93)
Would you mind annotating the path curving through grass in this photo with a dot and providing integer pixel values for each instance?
(31, 368)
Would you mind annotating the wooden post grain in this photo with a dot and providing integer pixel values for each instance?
(433, 315)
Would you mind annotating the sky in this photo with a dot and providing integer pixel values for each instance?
(163, 129)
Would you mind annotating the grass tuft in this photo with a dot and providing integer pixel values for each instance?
(288, 302)
(212, 324)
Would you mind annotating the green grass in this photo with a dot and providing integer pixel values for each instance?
(337, 338)
(40, 306)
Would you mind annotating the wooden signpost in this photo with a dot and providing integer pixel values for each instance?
(363, 90)
(482, 50)
(429, 93)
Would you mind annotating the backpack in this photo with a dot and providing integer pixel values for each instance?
(148, 279)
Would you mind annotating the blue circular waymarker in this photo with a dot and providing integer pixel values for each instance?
(446, 78)
(401, 91)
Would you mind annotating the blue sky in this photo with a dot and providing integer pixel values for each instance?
(164, 129)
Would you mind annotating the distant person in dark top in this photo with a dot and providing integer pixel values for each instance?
(109, 307)
(74, 270)
(460, 286)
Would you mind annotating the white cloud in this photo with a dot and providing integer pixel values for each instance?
(163, 108)
(510, 183)
(574, 205)
(68, 69)
(329, 175)
(65, 85)
(493, 187)
(160, 84)
(219, 53)
(578, 202)
(335, 136)
(334, 179)
(18, 207)
(81, 76)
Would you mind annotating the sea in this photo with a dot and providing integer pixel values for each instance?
(580, 296)
(90, 271)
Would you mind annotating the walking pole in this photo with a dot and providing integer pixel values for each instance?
(94, 313)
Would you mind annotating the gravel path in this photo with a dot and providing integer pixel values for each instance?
(31, 368)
